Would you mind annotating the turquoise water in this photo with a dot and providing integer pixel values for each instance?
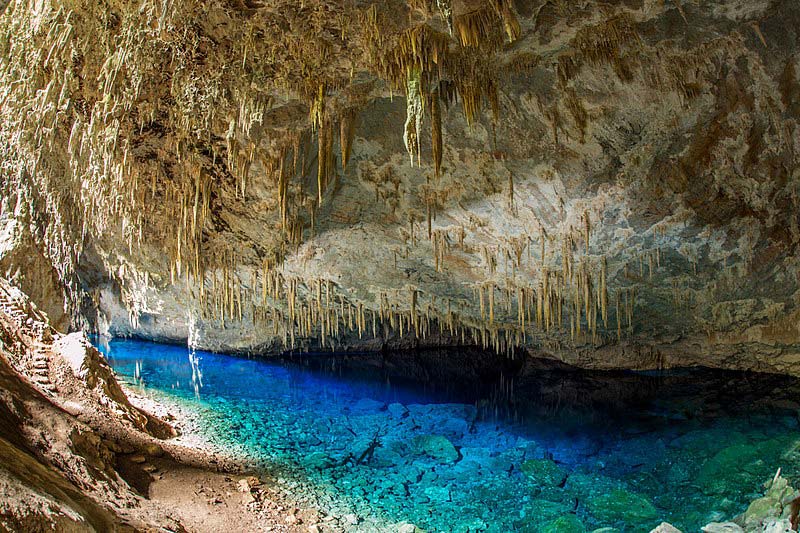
(557, 450)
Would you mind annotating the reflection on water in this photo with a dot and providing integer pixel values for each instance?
(137, 374)
(197, 374)
(552, 449)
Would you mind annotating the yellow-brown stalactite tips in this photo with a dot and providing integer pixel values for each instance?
(491, 303)
(604, 292)
(317, 111)
(587, 229)
(479, 22)
(510, 22)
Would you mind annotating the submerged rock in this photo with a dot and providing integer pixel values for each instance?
(454, 428)
(397, 410)
(565, 524)
(437, 494)
(436, 447)
(318, 460)
(538, 512)
(543, 472)
(586, 486)
(760, 510)
(367, 405)
(620, 505)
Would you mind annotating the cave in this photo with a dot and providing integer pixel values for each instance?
(400, 266)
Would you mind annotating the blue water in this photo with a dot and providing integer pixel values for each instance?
(556, 451)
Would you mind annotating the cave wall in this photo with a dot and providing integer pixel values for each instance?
(618, 184)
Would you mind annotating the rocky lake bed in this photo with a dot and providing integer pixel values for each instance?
(383, 457)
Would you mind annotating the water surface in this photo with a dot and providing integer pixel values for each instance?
(558, 450)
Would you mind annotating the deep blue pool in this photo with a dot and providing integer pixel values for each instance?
(557, 450)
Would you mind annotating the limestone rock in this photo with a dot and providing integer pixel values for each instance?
(620, 505)
(664, 527)
(436, 447)
(153, 449)
(543, 472)
(723, 527)
(778, 526)
(318, 460)
(367, 405)
(761, 510)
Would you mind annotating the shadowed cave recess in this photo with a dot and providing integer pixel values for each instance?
(538, 257)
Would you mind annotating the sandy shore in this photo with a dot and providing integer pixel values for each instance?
(211, 486)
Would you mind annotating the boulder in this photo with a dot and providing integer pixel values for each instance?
(761, 510)
(318, 460)
(620, 505)
(397, 410)
(436, 447)
(543, 472)
(664, 527)
(778, 526)
(539, 510)
(454, 428)
(367, 405)
(723, 527)
(437, 494)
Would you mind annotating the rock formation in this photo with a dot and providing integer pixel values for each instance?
(613, 184)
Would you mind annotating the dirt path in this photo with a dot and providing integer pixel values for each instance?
(77, 455)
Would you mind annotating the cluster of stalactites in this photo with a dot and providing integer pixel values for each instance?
(431, 69)
(322, 121)
(476, 22)
(528, 297)
(534, 292)
(600, 44)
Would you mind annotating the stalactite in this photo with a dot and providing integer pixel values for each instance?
(414, 113)
(587, 228)
(540, 305)
(436, 133)
(324, 162)
(604, 292)
(475, 22)
(757, 30)
(414, 321)
(491, 304)
(347, 130)
(679, 7)
(283, 189)
(481, 303)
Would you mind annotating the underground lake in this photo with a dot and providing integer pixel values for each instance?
(555, 449)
